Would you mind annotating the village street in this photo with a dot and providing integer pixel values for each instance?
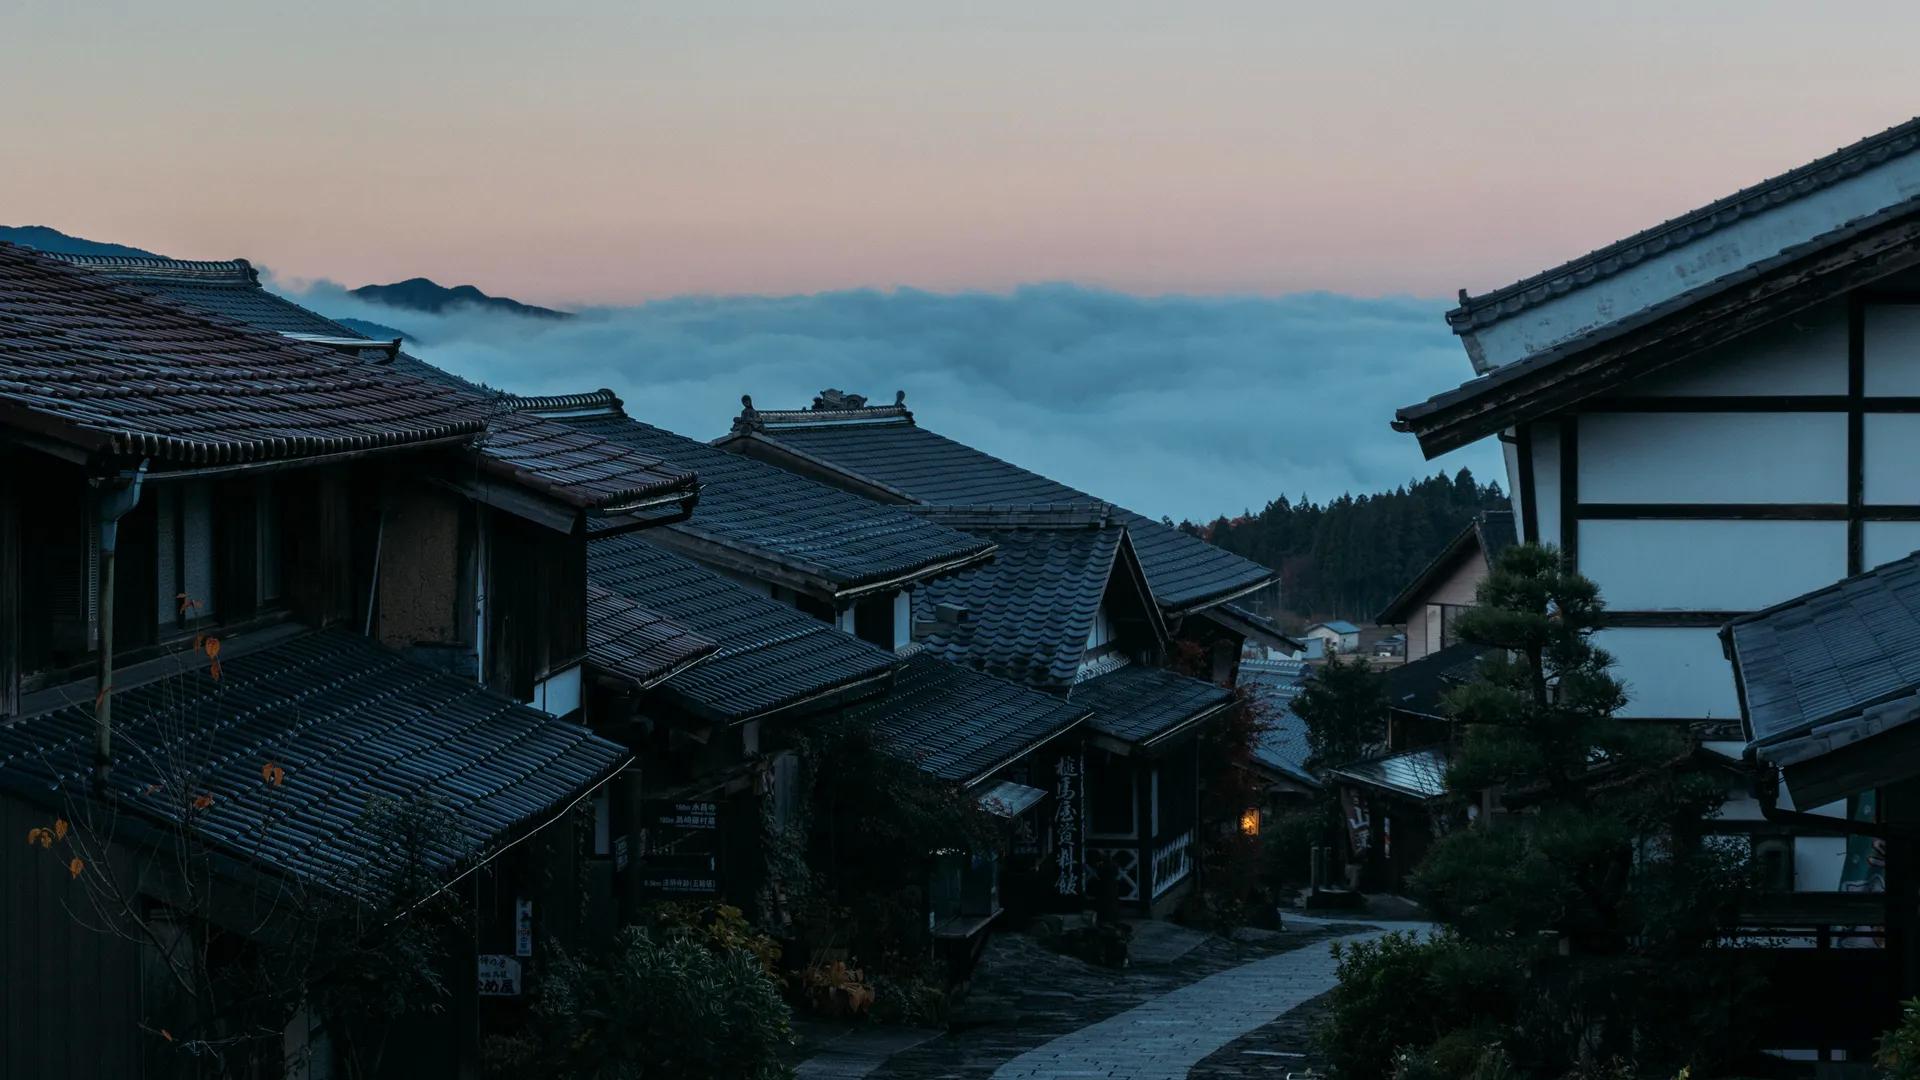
(1189, 1004)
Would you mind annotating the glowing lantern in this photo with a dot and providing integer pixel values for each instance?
(1250, 821)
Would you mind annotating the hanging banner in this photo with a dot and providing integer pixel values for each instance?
(1353, 804)
(1066, 824)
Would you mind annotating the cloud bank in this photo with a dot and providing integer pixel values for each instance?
(1180, 406)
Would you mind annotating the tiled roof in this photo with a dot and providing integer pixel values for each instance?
(885, 447)
(1419, 686)
(1028, 613)
(771, 656)
(574, 468)
(963, 725)
(762, 512)
(1282, 745)
(347, 721)
(1416, 774)
(1848, 161)
(230, 288)
(1338, 626)
(1144, 705)
(627, 640)
(579, 468)
(1813, 671)
(105, 367)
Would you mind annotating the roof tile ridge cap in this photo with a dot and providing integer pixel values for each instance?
(539, 404)
(1848, 160)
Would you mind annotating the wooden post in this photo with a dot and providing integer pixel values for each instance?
(1900, 805)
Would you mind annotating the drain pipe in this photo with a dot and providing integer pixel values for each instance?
(114, 498)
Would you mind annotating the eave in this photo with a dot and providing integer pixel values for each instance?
(1832, 265)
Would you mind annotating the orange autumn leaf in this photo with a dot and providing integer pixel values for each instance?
(102, 695)
(201, 802)
(214, 670)
(43, 837)
(165, 1034)
(272, 773)
(59, 828)
(78, 864)
(212, 648)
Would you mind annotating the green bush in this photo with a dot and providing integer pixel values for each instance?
(1899, 1053)
(666, 1008)
(1411, 1007)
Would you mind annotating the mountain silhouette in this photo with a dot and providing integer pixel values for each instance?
(421, 294)
(42, 238)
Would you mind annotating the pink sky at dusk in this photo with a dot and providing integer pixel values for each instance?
(610, 153)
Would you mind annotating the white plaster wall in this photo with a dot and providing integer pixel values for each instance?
(902, 619)
(1672, 672)
(1885, 541)
(1710, 565)
(1890, 458)
(1546, 481)
(1671, 273)
(1892, 349)
(1801, 354)
(1817, 862)
(1713, 457)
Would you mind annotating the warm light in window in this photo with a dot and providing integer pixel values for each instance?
(1250, 822)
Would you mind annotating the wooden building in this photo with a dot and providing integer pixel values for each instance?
(1711, 417)
(395, 577)
(1082, 600)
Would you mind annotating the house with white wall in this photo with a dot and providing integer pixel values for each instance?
(1432, 602)
(1337, 636)
(1711, 417)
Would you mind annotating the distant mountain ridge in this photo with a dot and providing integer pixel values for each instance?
(422, 294)
(44, 238)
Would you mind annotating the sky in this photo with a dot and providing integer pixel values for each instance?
(1246, 161)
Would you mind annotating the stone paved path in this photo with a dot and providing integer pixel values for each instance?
(1163, 1038)
(858, 1051)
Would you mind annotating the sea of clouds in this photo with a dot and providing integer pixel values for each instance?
(1188, 407)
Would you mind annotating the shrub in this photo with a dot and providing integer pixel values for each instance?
(665, 1008)
(1407, 1006)
(1899, 1052)
(721, 927)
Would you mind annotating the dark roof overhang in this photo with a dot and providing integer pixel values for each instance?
(1829, 266)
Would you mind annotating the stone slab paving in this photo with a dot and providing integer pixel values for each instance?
(1165, 1037)
(856, 1052)
(1025, 996)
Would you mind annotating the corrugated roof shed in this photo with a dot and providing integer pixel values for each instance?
(771, 656)
(884, 446)
(1415, 774)
(963, 725)
(763, 512)
(105, 368)
(1144, 705)
(638, 645)
(347, 721)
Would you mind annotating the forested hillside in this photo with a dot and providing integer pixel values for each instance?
(1348, 557)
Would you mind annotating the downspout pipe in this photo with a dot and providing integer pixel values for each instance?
(114, 497)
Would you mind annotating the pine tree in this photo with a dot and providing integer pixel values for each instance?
(1595, 881)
